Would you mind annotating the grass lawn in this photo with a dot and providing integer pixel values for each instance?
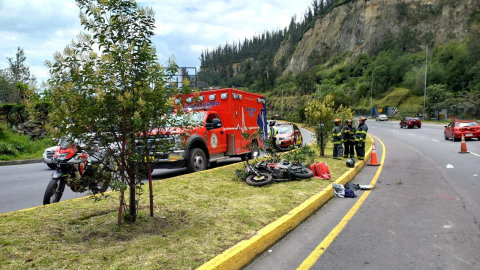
(197, 217)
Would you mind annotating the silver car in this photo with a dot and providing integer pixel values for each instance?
(48, 155)
(381, 117)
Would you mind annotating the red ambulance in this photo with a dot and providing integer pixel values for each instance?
(222, 116)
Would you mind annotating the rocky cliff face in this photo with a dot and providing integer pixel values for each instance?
(360, 25)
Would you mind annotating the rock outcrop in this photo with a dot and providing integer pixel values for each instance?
(360, 25)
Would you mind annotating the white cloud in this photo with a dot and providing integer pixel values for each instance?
(184, 28)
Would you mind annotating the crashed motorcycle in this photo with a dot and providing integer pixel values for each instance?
(254, 176)
(266, 172)
(73, 167)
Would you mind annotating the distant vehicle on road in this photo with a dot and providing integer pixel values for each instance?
(288, 135)
(410, 122)
(468, 128)
(381, 117)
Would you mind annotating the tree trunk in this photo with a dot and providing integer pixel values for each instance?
(133, 205)
(151, 189)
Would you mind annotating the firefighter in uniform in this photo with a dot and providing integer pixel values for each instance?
(337, 140)
(349, 139)
(360, 138)
(272, 133)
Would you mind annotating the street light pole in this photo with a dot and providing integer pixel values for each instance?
(371, 97)
(425, 89)
(282, 107)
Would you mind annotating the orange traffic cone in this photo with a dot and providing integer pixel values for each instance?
(373, 157)
(463, 148)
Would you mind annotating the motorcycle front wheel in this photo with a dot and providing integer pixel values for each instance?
(263, 179)
(54, 191)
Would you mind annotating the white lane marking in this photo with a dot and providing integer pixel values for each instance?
(392, 130)
(411, 134)
(475, 154)
(475, 175)
(449, 166)
(435, 140)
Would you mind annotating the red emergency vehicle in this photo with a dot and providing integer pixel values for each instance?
(223, 116)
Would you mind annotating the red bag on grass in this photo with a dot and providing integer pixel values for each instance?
(320, 170)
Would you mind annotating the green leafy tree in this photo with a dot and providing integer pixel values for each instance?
(436, 94)
(343, 113)
(327, 87)
(22, 80)
(319, 116)
(19, 70)
(7, 88)
(107, 87)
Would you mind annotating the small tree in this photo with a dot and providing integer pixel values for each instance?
(7, 88)
(20, 75)
(320, 115)
(107, 88)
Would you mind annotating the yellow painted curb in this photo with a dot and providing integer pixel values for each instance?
(244, 252)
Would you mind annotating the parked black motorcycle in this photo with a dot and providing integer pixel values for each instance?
(73, 168)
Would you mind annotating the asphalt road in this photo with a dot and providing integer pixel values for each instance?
(424, 213)
(23, 186)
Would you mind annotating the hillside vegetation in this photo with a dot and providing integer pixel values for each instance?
(386, 61)
(14, 146)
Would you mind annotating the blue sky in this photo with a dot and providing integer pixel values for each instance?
(184, 28)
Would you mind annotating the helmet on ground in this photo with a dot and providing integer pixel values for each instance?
(336, 120)
(350, 162)
(272, 123)
(363, 118)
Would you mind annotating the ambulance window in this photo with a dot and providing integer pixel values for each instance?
(212, 116)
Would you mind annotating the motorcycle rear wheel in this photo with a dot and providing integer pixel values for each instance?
(54, 191)
(302, 173)
(263, 179)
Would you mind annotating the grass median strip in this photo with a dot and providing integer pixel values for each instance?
(197, 217)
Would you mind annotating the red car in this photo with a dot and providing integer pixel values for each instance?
(467, 128)
(410, 122)
(288, 135)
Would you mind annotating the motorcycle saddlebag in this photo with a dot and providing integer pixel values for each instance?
(320, 170)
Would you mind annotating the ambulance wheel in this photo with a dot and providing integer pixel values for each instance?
(197, 160)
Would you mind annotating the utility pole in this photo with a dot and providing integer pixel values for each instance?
(371, 97)
(425, 89)
(282, 107)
